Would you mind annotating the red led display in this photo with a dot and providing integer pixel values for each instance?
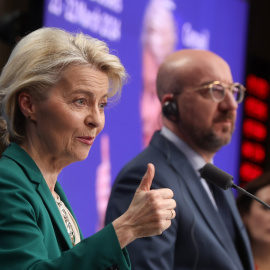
(249, 171)
(257, 86)
(254, 130)
(253, 150)
(256, 108)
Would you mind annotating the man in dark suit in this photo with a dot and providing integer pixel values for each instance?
(199, 103)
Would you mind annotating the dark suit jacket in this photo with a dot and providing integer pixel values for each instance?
(197, 238)
(32, 232)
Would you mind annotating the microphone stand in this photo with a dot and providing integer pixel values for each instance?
(249, 194)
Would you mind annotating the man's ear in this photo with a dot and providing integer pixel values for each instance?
(167, 98)
(26, 105)
(170, 108)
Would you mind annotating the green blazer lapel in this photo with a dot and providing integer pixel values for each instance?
(31, 170)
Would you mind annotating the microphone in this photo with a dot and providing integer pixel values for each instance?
(224, 180)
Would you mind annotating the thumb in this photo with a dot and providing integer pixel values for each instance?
(147, 178)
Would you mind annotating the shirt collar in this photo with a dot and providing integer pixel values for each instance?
(196, 161)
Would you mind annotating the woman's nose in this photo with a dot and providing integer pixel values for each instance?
(95, 117)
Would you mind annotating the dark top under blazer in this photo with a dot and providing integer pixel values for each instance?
(197, 238)
(32, 232)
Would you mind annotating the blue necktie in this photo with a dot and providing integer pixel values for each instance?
(223, 209)
(226, 215)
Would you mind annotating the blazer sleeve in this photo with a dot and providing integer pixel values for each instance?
(23, 244)
(100, 251)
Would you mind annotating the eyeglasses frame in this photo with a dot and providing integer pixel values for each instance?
(225, 86)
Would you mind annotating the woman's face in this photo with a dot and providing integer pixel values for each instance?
(257, 221)
(69, 121)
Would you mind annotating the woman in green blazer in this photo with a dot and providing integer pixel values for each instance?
(53, 91)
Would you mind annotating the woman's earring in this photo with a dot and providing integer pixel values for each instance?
(29, 116)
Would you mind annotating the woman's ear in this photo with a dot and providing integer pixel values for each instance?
(26, 105)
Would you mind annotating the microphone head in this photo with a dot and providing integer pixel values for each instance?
(216, 176)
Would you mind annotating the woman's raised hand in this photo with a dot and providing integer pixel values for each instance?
(150, 212)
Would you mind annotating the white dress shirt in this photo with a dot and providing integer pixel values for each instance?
(196, 161)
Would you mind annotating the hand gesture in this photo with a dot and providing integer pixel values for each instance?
(150, 212)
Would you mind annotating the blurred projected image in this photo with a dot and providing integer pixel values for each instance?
(158, 40)
(103, 180)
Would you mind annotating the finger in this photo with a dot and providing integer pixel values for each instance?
(147, 178)
(168, 204)
(167, 225)
(165, 193)
(171, 214)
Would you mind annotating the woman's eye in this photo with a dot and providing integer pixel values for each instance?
(80, 101)
(102, 105)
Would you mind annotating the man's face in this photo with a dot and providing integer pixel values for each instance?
(204, 123)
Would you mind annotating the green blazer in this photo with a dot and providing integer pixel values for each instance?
(32, 232)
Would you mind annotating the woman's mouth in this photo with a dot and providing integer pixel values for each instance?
(86, 140)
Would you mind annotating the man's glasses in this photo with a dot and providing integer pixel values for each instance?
(218, 90)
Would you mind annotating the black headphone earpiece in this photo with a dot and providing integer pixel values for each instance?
(170, 111)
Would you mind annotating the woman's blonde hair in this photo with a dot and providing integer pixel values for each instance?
(36, 64)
